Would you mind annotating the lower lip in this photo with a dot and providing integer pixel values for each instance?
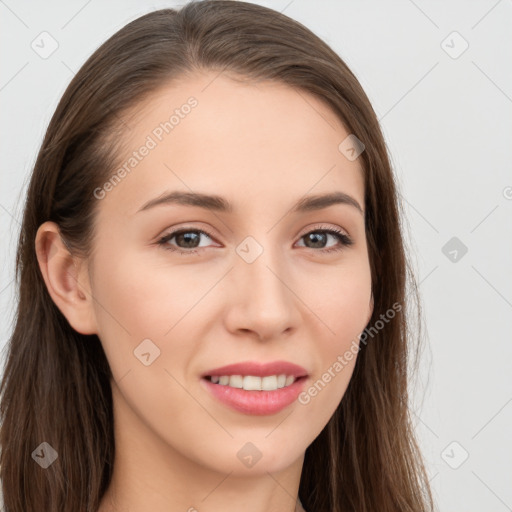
(256, 402)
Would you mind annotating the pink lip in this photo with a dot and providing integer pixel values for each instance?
(258, 369)
(255, 402)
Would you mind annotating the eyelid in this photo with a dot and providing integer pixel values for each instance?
(187, 227)
(323, 226)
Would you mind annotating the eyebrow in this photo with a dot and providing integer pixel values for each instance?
(220, 204)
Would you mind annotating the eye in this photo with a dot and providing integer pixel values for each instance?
(189, 239)
(184, 236)
(320, 236)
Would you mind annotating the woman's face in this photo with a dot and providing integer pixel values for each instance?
(255, 288)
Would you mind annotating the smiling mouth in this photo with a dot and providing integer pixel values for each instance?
(253, 382)
(255, 395)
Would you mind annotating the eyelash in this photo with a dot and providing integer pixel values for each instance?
(345, 241)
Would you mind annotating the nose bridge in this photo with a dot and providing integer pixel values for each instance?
(264, 299)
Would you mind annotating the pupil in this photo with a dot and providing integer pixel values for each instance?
(189, 237)
(315, 237)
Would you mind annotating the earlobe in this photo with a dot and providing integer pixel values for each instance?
(65, 280)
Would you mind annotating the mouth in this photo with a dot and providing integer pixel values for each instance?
(254, 382)
(258, 396)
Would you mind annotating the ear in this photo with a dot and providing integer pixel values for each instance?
(66, 279)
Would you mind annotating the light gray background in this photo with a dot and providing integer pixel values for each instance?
(447, 124)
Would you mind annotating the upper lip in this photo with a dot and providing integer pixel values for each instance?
(258, 369)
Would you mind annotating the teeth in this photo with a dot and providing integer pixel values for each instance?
(235, 381)
(252, 383)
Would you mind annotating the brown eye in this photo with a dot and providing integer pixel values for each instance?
(185, 239)
(318, 238)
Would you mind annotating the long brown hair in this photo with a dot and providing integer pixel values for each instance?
(56, 383)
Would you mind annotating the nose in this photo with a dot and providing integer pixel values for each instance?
(262, 298)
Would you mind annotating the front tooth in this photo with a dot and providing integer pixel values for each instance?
(281, 381)
(236, 381)
(289, 380)
(251, 383)
(269, 383)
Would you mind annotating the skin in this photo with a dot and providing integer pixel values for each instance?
(262, 146)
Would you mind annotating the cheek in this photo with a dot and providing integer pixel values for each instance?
(144, 322)
(336, 361)
(135, 301)
(340, 298)
(341, 301)
(145, 294)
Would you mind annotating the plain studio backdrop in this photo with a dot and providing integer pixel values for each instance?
(438, 76)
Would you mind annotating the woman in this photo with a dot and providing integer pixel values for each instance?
(212, 283)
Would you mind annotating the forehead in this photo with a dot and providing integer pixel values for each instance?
(250, 139)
